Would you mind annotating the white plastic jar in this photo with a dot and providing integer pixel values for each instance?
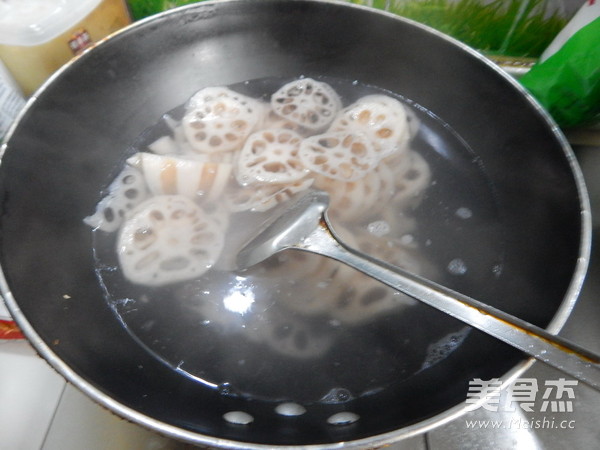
(38, 36)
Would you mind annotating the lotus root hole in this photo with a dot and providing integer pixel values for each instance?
(177, 263)
(346, 170)
(201, 238)
(288, 109)
(412, 174)
(364, 116)
(157, 216)
(358, 149)
(324, 98)
(147, 260)
(109, 214)
(301, 340)
(384, 133)
(258, 147)
(282, 331)
(143, 234)
(295, 164)
(199, 252)
(131, 193)
(282, 138)
(321, 159)
(373, 296)
(275, 167)
(178, 214)
(239, 125)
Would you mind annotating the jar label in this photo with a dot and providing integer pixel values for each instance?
(79, 41)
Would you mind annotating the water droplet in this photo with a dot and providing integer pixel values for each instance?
(227, 389)
(457, 267)
(343, 418)
(238, 417)
(290, 409)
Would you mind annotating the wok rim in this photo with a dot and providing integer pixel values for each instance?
(558, 321)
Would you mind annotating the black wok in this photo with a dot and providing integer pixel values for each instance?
(76, 131)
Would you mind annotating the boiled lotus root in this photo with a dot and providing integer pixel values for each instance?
(319, 277)
(168, 239)
(293, 337)
(365, 301)
(262, 197)
(167, 175)
(125, 192)
(329, 280)
(411, 185)
(309, 103)
(355, 199)
(270, 120)
(292, 265)
(341, 156)
(382, 119)
(270, 156)
(218, 123)
(362, 298)
(209, 94)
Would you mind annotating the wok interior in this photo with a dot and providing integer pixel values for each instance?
(74, 137)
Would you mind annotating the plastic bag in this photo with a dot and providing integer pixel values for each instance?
(567, 83)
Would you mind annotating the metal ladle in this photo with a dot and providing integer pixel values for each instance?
(304, 225)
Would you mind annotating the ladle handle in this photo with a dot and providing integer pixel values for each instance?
(534, 341)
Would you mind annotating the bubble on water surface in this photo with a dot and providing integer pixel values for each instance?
(343, 418)
(457, 267)
(379, 228)
(238, 417)
(464, 213)
(290, 409)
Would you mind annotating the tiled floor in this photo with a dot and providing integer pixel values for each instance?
(39, 410)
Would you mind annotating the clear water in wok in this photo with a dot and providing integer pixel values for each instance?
(232, 332)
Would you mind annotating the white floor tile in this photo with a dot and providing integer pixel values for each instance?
(29, 394)
(80, 423)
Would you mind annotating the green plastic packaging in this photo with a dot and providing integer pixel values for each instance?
(567, 84)
(140, 9)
